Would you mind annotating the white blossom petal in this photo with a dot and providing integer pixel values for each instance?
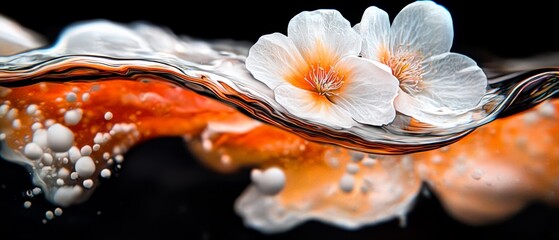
(368, 92)
(422, 28)
(375, 29)
(306, 105)
(453, 85)
(452, 81)
(273, 58)
(426, 113)
(323, 33)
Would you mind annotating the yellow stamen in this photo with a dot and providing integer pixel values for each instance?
(407, 68)
(324, 81)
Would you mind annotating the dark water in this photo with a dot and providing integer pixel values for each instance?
(162, 191)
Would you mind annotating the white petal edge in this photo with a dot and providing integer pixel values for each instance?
(426, 113)
(302, 104)
(368, 93)
(273, 58)
(323, 30)
(374, 28)
(453, 87)
(423, 28)
(452, 81)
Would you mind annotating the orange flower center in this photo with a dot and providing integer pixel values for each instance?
(407, 68)
(326, 81)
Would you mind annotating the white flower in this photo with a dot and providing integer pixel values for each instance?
(316, 74)
(436, 85)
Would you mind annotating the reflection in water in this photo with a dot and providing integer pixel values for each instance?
(69, 114)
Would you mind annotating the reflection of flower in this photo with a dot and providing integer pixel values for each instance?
(316, 73)
(435, 85)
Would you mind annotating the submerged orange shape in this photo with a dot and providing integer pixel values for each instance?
(487, 176)
(499, 168)
(71, 134)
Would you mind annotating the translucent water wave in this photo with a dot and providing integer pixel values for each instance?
(103, 50)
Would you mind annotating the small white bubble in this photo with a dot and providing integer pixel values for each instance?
(119, 158)
(357, 156)
(106, 137)
(333, 162)
(58, 212)
(12, 114)
(88, 183)
(270, 181)
(73, 117)
(27, 204)
(74, 154)
(36, 125)
(59, 138)
(98, 139)
(33, 151)
(530, 118)
(546, 109)
(49, 215)
(4, 109)
(16, 124)
(49, 122)
(105, 173)
(60, 182)
(369, 162)
(86, 150)
(352, 168)
(71, 97)
(85, 97)
(477, 174)
(47, 159)
(346, 182)
(85, 167)
(31, 109)
(108, 116)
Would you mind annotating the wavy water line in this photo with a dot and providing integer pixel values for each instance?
(218, 70)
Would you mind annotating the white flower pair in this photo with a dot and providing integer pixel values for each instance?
(327, 72)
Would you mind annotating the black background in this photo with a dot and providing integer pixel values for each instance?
(503, 28)
(162, 191)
